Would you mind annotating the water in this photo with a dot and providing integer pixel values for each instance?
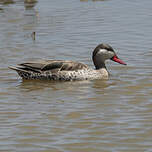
(99, 116)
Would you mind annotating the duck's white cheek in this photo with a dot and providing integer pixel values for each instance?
(110, 54)
(106, 54)
(103, 51)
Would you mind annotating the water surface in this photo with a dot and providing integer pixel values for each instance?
(99, 116)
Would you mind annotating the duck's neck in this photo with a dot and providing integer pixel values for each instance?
(99, 62)
(100, 65)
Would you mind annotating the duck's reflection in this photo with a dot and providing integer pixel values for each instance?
(28, 4)
(100, 84)
(30, 85)
(66, 86)
(6, 2)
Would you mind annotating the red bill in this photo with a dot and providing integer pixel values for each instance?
(116, 59)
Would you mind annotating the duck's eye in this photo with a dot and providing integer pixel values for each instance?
(110, 50)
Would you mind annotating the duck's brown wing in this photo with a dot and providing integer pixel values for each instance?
(51, 65)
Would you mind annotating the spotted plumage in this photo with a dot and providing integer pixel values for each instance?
(69, 70)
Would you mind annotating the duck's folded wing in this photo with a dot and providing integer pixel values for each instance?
(64, 66)
(51, 65)
(37, 65)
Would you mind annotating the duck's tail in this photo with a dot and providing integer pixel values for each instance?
(21, 72)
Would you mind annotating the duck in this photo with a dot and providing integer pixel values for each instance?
(68, 70)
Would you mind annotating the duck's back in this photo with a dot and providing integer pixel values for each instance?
(53, 70)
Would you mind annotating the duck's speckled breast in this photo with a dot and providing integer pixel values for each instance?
(84, 74)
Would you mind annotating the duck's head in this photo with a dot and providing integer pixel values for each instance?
(102, 53)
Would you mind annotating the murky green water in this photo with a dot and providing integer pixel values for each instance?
(87, 116)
